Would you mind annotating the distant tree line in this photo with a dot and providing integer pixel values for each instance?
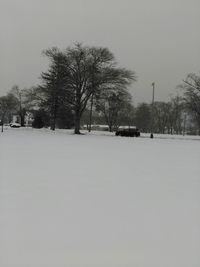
(84, 85)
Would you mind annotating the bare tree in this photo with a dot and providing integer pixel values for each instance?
(19, 94)
(127, 114)
(168, 116)
(177, 114)
(84, 72)
(8, 103)
(191, 87)
(111, 103)
(143, 117)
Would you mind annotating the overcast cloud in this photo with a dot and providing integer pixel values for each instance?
(158, 39)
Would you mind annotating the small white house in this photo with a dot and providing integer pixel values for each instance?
(16, 119)
(28, 119)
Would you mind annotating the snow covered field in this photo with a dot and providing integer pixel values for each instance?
(98, 200)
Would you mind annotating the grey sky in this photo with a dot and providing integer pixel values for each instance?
(158, 39)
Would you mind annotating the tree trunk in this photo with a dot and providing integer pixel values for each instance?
(77, 122)
(53, 123)
(54, 115)
(91, 106)
(2, 121)
(110, 128)
(22, 120)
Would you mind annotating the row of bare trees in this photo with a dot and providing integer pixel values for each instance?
(171, 117)
(180, 115)
(84, 85)
(167, 117)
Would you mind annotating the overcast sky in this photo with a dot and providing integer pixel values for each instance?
(158, 39)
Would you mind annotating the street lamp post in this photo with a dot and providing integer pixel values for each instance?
(152, 111)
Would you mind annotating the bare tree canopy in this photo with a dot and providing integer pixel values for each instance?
(191, 87)
(79, 72)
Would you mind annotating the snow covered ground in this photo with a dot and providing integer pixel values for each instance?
(98, 200)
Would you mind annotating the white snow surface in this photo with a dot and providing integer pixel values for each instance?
(98, 200)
